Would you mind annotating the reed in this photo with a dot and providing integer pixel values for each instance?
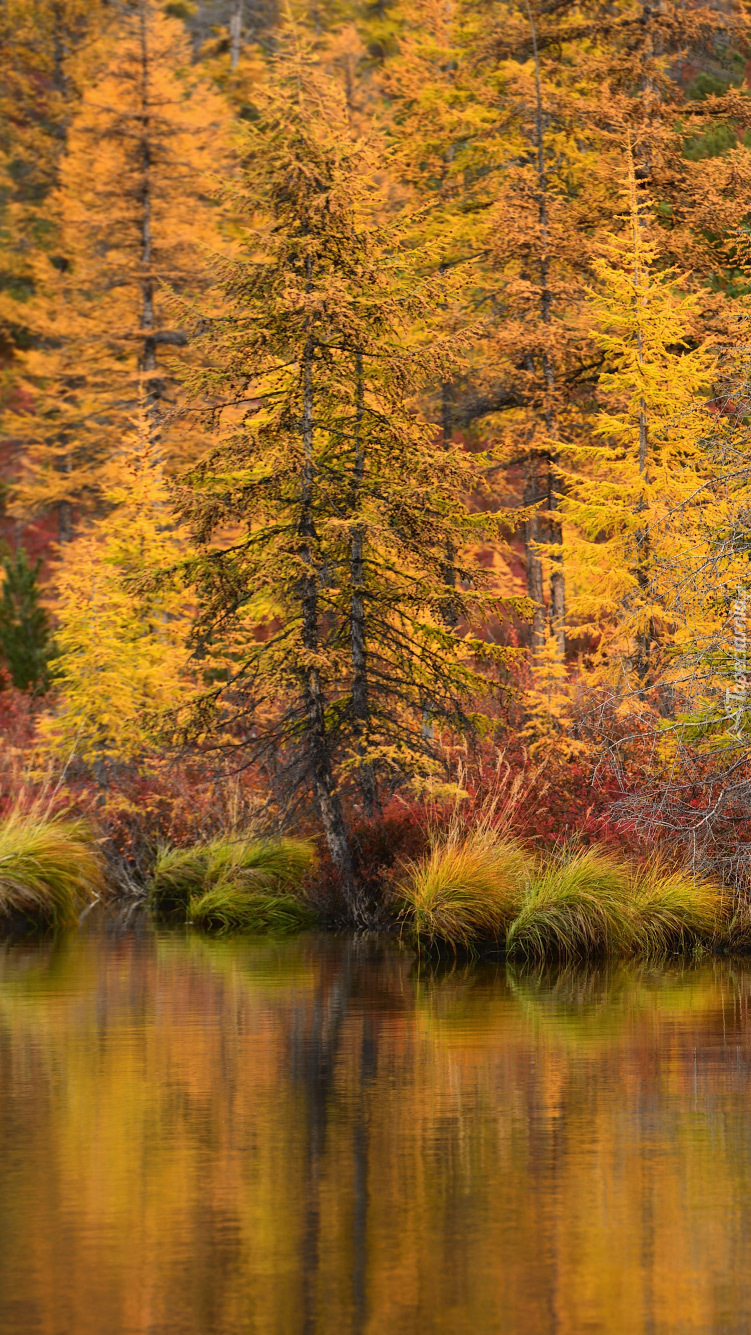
(50, 869)
(234, 908)
(466, 890)
(579, 906)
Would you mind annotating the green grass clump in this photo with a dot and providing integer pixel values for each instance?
(234, 908)
(49, 870)
(179, 873)
(228, 873)
(580, 905)
(584, 903)
(675, 911)
(466, 890)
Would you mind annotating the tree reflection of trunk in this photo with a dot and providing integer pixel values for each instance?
(314, 1054)
(341, 1001)
(368, 1065)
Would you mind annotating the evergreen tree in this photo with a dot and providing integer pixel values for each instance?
(25, 634)
(550, 201)
(567, 84)
(340, 503)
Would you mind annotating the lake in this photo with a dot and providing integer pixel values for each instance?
(216, 1137)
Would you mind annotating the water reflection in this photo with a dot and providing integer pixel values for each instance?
(208, 1138)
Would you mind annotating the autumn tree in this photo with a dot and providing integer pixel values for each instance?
(548, 204)
(630, 492)
(121, 654)
(670, 77)
(326, 506)
(133, 217)
(45, 49)
(566, 85)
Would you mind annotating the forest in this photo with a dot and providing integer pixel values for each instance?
(375, 466)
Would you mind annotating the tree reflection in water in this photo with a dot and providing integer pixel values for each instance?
(214, 1137)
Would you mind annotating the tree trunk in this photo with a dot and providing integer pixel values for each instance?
(64, 520)
(235, 35)
(326, 798)
(449, 612)
(557, 580)
(533, 563)
(147, 364)
(360, 693)
(60, 81)
(645, 634)
(554, 531)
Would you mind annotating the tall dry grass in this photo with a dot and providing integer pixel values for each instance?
(233, 908)
(675, 911)
(477, 886)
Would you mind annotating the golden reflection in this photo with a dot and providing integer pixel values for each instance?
(215, 1137)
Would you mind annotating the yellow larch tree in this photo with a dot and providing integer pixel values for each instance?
(45, 50)
(633, 493)
(120, 637)
(134, 213)
(550, 201)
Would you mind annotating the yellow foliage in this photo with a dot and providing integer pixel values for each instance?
(121, 640)
(133, 215)
(629, 489)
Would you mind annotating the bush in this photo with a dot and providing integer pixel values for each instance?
(49, 870)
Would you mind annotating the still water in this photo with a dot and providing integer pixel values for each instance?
(215, 1137)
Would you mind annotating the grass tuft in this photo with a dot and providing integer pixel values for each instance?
(675, 911)
(228, 873)
(49, 870)
(179, 873)
(466, 890)
(578, 906)
(233, 908)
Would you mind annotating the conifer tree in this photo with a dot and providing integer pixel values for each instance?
(567, 83)
(629, 493)
(133, 218)
(121, 653)
(45, 48)
(550, 201)
(340, 502)
(25, 632)
(441, 165)
(669, 76)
